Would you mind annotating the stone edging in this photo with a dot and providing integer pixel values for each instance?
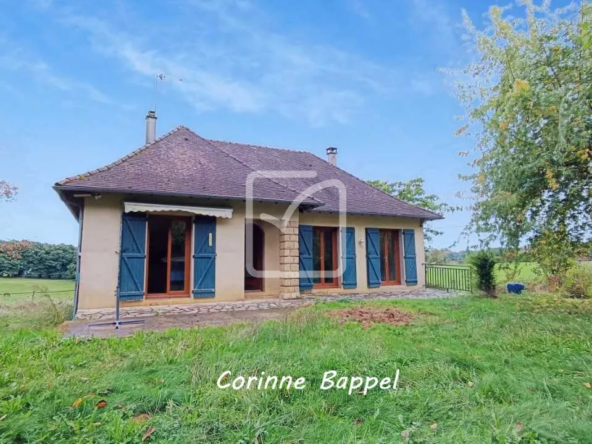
(261, 304)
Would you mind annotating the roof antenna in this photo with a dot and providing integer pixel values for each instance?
(160, 77)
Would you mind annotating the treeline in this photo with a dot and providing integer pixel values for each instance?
(446, 256)
(37, 260)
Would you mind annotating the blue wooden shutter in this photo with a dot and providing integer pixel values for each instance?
(348, 250)
(305, 257)
(373, 257)
(204, 257)
(409, 256)
(132, 257)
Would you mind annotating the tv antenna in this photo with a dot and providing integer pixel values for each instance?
(159, 78)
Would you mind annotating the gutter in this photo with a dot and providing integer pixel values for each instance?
(354, 213)
(60, 188)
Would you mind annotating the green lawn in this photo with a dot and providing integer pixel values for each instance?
(513, 370)
(19, 289)
(528, 273)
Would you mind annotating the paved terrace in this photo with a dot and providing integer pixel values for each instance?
(251, 304)
(162, 317)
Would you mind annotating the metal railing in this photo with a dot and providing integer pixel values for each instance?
(449, 277)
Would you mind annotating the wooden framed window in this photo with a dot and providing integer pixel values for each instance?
(324, 257)
(390, 257)
(169, 256)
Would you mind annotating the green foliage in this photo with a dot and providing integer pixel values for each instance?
(37, 260)
(529, 107)
(437, 256)
(413, 192)
(510, 269)
(578, 282)
(513, 364)
(484, 264)
(7, 191)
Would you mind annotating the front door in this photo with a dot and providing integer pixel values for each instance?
(169, 249)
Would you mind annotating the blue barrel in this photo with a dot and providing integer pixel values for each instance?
(515, 288)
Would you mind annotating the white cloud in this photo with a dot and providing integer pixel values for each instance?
(40, 4)
(437, 22)
(229, 57)
(360, 8)
(16, 59)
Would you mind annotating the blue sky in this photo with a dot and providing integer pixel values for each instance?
(76, 80)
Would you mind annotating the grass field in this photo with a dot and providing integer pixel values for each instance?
(19, 289)
(528, 273)
(513, 370)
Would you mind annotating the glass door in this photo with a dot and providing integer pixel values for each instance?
(390, 262)
(324, 256)
(178, 254)
(169, 248)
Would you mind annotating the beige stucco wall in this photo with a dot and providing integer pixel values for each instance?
(230, 256)
(101, 243)
(99, 265)
(271, 257)
(360, 223)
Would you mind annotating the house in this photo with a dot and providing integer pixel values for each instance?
(185, 219)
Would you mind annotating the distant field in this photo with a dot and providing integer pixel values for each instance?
(19, 289)
(527, 272)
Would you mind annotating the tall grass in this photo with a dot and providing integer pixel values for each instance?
(472, 370)
(42, 311)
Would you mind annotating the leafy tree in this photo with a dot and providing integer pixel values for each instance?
(11, 257)
(33, 259)
(529, 102)
(436, 256)
(413, 192)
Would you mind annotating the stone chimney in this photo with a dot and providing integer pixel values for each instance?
(150, 126)
(332, 155)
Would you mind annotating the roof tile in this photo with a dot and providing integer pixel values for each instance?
(182, 162)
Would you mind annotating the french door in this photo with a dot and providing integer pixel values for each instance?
(168, 261)
(324, 256)
(390, 257)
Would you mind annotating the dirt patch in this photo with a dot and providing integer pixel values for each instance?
(369, 316)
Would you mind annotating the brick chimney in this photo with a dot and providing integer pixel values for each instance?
(332, 155)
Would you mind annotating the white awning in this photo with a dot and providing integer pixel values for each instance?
(134, 207)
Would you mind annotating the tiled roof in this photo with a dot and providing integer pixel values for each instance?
(183, 163)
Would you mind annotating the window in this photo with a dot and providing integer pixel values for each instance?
(390, 261)
(169, 245)
(324, 256)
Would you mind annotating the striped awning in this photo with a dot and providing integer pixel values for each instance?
(135, 207)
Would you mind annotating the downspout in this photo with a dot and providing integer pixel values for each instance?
(78, 258)
(425, 268)
(71, 204)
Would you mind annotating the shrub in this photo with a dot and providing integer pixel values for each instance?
(484, 264)
(578, 283)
